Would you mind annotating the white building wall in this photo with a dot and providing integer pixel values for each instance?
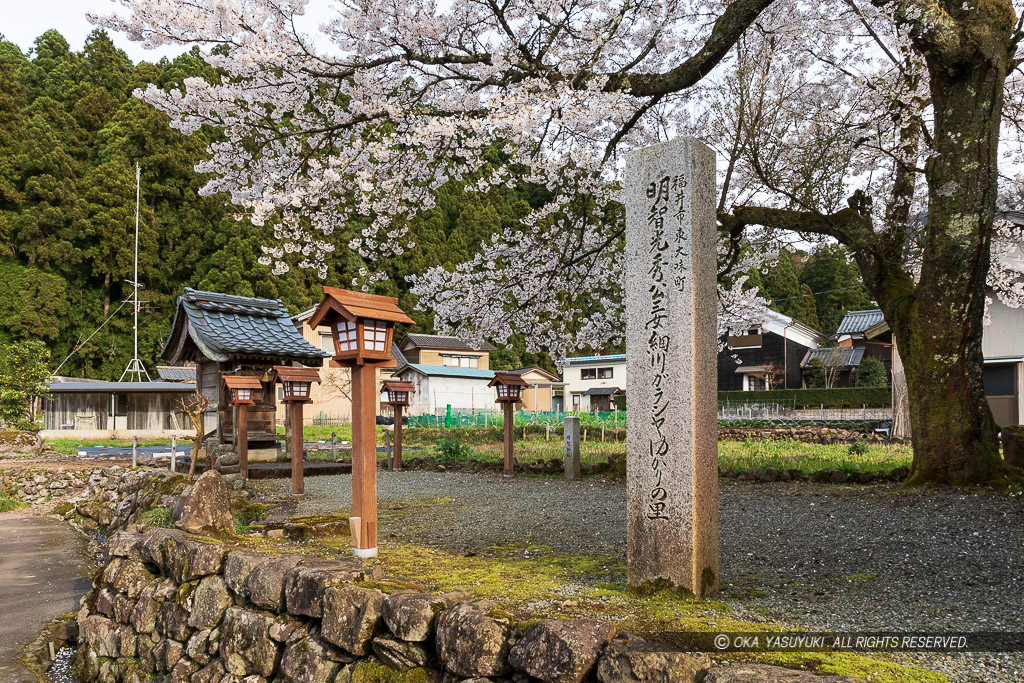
(572, 375)
(433, 395)
(1005, 335)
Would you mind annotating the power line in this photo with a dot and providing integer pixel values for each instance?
(827, 291)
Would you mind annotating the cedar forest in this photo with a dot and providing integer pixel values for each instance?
(71, 133)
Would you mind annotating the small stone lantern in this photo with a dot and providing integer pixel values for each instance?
(297, 384)
(509, 388)
(245, 389)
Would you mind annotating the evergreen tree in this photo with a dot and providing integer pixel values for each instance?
(837, 285)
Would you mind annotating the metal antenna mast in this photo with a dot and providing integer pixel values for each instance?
(136, 370)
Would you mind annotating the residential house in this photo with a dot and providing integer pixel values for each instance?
(543, 390)
(594, 383)
(225, 334)
(1002, 345)
(452, 352)
(437, 387)
(840, 364)
(766, 354)
(867, 330)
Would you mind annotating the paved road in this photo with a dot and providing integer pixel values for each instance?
(42, 576)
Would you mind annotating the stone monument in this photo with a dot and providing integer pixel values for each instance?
(572, 448)
(671, 346)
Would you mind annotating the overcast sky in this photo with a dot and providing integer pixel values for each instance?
(22, 21)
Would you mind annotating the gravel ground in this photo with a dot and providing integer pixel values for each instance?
(806, 555)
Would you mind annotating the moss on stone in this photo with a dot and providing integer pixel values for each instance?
(366, 671)
(875, 669)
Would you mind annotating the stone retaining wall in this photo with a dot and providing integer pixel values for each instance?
(806, 434)
(174, 607)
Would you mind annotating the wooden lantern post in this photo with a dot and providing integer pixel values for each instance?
(244, 390)
(398, 398)
(297, 383)
(509, 387)
(362, 326)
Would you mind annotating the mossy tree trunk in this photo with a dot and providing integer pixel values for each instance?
(937, 318)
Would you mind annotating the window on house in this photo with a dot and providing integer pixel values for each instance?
(604, 373)
(327, 342)
(999, 380)
(588, 373)
(575, 401)
(453, 361)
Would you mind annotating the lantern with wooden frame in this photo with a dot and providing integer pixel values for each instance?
(398, 398)
(297, 392)
(398, 392)
(509, 387)
(362, 327)
(245, 389)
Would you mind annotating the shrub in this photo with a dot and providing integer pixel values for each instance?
(858, 448)
(871, 373)
(451, 450)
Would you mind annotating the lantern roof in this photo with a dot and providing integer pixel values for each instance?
(242, 382)
(507, 379)
(397, 385)
(287, 373)
(351, 305)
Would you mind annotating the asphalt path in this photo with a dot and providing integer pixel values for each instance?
(43, 568)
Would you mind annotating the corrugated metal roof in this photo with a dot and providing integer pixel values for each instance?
(171, 373)
(106, 387)
(855, 322)
(223, 325)
(592, 359)
(848, 356)
(436, 341)
(444, 371)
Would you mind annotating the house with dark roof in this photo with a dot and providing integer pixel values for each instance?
(767, 355)
(223, 334)
(867, 331)
(840, 363)
(452, 352)
(436, 387)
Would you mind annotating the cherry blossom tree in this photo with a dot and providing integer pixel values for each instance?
(876, 124)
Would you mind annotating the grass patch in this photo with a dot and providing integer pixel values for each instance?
(8, 503)
(739, 455)
(72, 446)
(157, 518)
(247, 515)
(811, 457)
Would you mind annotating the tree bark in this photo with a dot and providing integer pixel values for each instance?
(937, 320)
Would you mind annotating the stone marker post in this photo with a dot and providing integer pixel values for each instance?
(572, 448)
(671, 345)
